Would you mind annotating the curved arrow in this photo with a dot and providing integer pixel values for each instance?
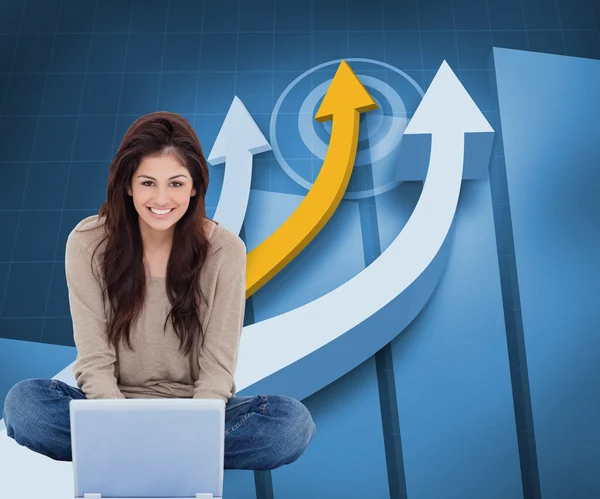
(336, 332)
(238, 141)
(345, 99)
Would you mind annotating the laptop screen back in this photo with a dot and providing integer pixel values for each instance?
(148, 447)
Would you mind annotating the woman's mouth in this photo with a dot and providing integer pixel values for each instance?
(160, 213)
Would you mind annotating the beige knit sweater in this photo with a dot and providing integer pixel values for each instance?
(157, 368)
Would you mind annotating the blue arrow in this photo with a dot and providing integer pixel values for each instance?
(238, 141)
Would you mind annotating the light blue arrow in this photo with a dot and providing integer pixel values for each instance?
(461, 114)
(238, 141)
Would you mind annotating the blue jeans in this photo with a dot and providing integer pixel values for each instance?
(262, 432)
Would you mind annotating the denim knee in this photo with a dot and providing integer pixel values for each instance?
(15, 400)
(301, 428)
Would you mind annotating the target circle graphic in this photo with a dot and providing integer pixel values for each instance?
(295, 134)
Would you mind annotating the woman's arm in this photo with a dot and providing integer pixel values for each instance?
(95, 363)
(218, 357)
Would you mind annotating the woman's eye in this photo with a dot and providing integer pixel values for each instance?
(179, 184)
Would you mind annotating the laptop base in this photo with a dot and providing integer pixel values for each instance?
(87, 495)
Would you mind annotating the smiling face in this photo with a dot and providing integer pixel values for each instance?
(161, 189)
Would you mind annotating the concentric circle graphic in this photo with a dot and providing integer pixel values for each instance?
(300, 142)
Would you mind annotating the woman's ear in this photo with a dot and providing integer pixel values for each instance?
(129, 190)
(193, 192)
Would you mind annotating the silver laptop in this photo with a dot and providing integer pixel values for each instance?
(148, 448)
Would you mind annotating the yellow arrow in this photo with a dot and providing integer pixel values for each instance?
(345, 99)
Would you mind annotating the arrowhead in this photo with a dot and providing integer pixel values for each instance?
(238, 132)
(345, 92)
(446, 105)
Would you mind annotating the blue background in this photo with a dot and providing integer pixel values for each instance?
(492, 391)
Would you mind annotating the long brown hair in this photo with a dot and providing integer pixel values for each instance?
(123, 269)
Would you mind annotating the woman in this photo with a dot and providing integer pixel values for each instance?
(157, 298)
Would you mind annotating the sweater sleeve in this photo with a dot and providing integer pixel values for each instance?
(219, 354)
(95, 363)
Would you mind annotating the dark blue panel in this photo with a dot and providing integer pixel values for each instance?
(63, 93)
(58, 331)
(257, 15)
(209, 102)
(576, 14)
(367, 16)
(113, 16)
(8, 44)
(3, 276)
(256, 91)
(549, 111)
(8, 229)
(329, 16)
(41, 16)
(510, 39)
(36, 236)
(506, 14)
(24, 330)
(401, 15)
(46, 186)
(471, 14)
(11, 14)
(27, 290)
(58, 301)
(178, 92)
(219, 52)
(107, 52)
(292, 16)
(185, 15)
(12, 185)
(87, 185)
(326, 47)
(76, 16)
(221, 16)
(149, 15)
(144, 52)
(70, 53)
(24, 94)
(474, 49)
(94, 138)
(478, 84)
(582, 43)
(33, 53)
(55, 138)
(101, 94)
(17, 136)
(403, 50)
(541, 14)
(437, 47)
(255, 52)
(435, 14)
(139, 94)
(551, 42)
(292, 51)
(182, 51)
(367, 45)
